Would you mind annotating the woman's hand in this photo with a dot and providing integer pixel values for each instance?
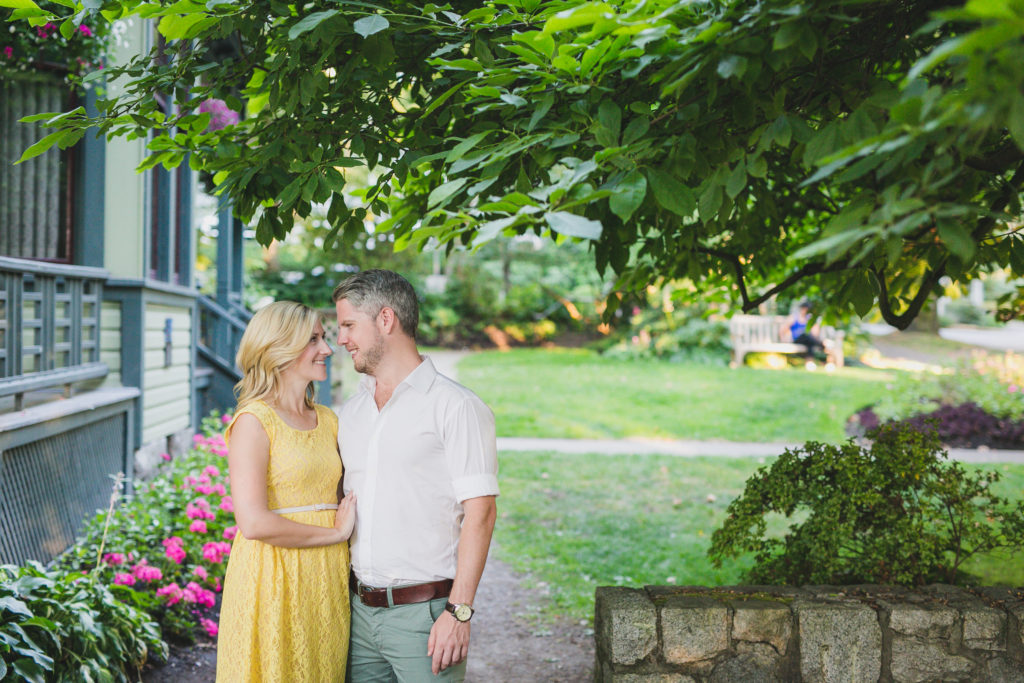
(345, 518)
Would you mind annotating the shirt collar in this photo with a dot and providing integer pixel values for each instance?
(421, 378)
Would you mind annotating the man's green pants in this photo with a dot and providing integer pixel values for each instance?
(389, 644)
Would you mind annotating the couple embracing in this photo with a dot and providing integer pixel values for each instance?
(412, 494)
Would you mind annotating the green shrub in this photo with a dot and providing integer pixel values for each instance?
(896, 512)
(56, 626)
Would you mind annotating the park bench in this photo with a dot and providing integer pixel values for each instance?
(764, 334)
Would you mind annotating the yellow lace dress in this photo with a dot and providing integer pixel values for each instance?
(285, 611)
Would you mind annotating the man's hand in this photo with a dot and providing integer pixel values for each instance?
(448, 643)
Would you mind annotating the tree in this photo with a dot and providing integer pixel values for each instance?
(863, 149)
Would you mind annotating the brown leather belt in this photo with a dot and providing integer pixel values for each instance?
(400, 595)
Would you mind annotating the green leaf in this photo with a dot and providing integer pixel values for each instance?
(609, 116)
(29, 671)
(732, 65)
(786, 36)
(1015, 121)
(581, 15)
(737, 180)
(541, 110)
(444, 192)
(636, 129)
(43, 145)
(177, 27)
(781, 132)
(309, 22)
(12, 605)
(19, 4)
(958, 239)
(862, 294)
(459, 150)
(572, 225)
(629, 195)
(367, 26)
(670, 193)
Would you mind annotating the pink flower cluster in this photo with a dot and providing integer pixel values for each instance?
(172, 591)
(199, 509)
(215, 551)
(114, 559)
(144, 572)
(195, 593)
(221, 116)
(203, 485)
(123, 579)
(174, 550)
(227, 504)
(210, 626)
(215, 443)
(230, 533)
(8, 52)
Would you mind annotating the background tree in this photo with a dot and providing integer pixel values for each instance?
(859, 149)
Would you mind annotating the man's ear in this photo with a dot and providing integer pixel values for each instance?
(387, 320)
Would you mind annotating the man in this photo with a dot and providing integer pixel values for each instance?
(420, 453)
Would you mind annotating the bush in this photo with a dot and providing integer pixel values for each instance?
(895, 512)
(56, 626)
(962, 426)
(169, 541)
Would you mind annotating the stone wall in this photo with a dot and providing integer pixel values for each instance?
(819, 634)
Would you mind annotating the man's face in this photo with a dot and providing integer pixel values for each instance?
(359, 335)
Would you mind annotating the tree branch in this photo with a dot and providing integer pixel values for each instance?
(903, 320)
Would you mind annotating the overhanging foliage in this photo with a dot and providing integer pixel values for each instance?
(860, 148)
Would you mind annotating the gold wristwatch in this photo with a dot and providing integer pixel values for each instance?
(461, 612)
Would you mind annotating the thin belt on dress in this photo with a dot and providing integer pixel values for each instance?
(307, 508)
(400, 595)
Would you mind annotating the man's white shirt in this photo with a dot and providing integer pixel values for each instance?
(411, 465)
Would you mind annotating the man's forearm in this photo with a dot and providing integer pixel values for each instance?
(474, 542)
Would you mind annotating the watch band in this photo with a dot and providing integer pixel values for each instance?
(455, 611)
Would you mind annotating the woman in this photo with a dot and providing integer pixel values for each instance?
(285, 612)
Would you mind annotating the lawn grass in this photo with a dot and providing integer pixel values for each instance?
(571, 523)
(576, 393)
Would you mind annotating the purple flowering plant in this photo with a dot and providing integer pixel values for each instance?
(68, 50)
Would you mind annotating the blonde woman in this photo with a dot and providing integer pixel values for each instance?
(285, 612)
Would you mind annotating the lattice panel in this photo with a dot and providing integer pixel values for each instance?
(48, 487)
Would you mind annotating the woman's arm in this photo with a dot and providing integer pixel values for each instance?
(248, 457)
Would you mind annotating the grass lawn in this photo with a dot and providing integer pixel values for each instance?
(574, 522)
(575, 393)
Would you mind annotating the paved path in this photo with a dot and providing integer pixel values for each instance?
(1008, 338)
(725, 449)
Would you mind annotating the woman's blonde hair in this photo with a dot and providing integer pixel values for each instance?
(273, 339)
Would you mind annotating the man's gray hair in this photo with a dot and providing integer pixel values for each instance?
(370, 291)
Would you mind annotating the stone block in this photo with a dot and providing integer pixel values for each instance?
(1002, 670)
(694, 628)
(984, 627)
(625, 624)
(916, 660)
(839, 642)
(762, 621)
(749, 668)
(922, 621)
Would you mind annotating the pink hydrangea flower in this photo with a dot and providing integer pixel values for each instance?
(226, 418)
(113, 559)
(210, 626)
(197, 527)
(204, 489)
(124, 579)
(219, 489)
(1014, 388)
(227, 504)
(198, 439)
(211, 471)
(215, 551)
(203, 479)
(172, 591)
(221, 115)
(192, 512)
(200, 572)
(216, 584)
(85, 31)
(230, 532)
(173, 549)
(166, 456)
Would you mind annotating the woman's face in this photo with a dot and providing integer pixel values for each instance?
(311, 365)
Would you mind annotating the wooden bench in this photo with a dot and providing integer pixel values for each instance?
(764, 334)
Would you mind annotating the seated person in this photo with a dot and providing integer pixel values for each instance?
(799, 333)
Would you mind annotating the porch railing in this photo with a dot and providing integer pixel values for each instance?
(49, 326)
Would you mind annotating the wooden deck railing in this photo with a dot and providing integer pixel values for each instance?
(49, 326)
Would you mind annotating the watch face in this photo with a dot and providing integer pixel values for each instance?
(463, 612)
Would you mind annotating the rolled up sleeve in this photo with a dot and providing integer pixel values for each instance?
(471, 448)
